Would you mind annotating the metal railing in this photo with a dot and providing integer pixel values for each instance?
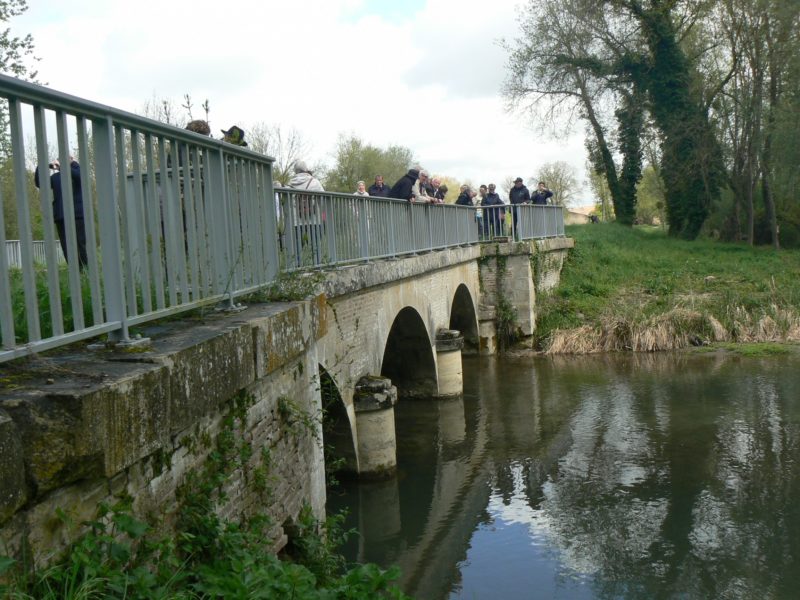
(14, 253)
(157, 220)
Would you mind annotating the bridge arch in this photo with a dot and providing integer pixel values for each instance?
(464, 318)
(337, 426)
(408, 356)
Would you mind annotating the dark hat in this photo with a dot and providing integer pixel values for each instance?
(518, 180)
(235, 135)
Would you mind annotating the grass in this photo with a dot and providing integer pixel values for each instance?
(637, 289)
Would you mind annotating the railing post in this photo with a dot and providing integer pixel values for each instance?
(103, 136)
(219, 229)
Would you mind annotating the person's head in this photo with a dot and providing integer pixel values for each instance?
(379, 180)
(492, 187)
(423, 176)
(483, 189)
(361, 186)
(200, 126)
(542, 185)
(234, 135)
(443, 189)
(465, 189)
(300, 166)
(518, 182)
(472, 193)
(436, 182)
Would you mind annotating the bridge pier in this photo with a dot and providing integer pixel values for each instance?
(374, 401)
(449, 343)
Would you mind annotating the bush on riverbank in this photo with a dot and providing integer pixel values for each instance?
(637, 289)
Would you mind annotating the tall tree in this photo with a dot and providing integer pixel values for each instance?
(571, 62)
(690, 160)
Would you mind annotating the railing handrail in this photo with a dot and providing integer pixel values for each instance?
(55, 100)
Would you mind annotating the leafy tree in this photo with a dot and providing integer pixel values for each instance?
(355, 160)
(16, 59)
(560, 179)
(285, 145)
(578, 70)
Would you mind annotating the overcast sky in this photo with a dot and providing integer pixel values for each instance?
(425, 74)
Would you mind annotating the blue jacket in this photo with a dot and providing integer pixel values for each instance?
(519, 195)
(58, 198)
(380, 192)
(541, 197)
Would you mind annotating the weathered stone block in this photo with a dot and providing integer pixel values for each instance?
(13, 491)
(207, 366)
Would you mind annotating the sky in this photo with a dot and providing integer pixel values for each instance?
(425, 74)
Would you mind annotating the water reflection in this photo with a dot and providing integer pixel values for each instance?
(614, 476)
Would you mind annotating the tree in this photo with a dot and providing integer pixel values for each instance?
(285, 145)
(355, 160)
(16, 59)
(580, 68)
(560, 179)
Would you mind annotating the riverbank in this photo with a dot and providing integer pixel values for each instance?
(637, 289)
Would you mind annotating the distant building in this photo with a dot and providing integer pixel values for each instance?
(578, 215)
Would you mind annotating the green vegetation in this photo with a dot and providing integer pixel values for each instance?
(207, 556)
(637, 289)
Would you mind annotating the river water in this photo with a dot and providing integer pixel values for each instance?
(619, 476)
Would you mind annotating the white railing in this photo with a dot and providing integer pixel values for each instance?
(14, 253)
(170, 221)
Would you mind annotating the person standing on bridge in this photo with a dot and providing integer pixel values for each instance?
(494, 213)
(517, 195)
(306, 212)
(403, 189)
(541, 194)
(57, 179)
(379, 189)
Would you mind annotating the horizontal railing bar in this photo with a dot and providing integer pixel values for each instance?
(31, 93)
(55, 342)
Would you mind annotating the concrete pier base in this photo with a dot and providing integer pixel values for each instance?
(449, 343)
(374, 401)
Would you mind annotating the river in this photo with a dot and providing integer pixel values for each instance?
(615, 476)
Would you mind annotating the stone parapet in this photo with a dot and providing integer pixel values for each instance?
(79, 428)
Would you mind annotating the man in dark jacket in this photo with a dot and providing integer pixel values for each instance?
(541, 194)
(403, 189)
(518, 194)
(56, 180)
(379, 189)
(494, 213)
(465, 198)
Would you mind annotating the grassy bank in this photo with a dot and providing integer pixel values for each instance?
(636, 289)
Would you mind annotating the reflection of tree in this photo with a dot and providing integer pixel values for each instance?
(684, 484)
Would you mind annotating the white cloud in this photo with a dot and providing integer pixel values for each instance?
(426, 77)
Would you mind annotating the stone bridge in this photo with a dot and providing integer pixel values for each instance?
(78, 428)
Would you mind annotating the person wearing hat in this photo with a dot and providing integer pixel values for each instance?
(235, 136)
(403, 189)
(518, 194)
